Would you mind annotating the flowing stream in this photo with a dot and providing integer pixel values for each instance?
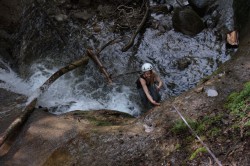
(86, 88)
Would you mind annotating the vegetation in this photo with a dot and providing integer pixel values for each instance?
(235, 119)
(239, 106)
(239, 102)
(196, 152)
(181, 128)
(208, 124)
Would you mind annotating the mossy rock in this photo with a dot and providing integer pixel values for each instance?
(102, 117)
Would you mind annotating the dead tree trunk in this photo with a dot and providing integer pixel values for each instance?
(98, 62)
(59, 73)
(18, 122)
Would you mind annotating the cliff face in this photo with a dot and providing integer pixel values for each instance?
(10, 15)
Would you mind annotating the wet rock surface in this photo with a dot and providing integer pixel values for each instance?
(107, 137)
(112, 138)
(187, 21)
(11, 106)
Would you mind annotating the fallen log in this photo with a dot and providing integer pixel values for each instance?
(131, 41)
(19, 121)
(98, 62)
(60, 72)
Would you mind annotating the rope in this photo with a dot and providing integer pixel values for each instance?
(193, 132)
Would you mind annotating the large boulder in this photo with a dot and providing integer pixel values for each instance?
(187, 21)
(221, 11)
(201, 6)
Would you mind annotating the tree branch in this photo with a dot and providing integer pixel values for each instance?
(131, 41)
(60, 72)
(18, 122)
(98, 62)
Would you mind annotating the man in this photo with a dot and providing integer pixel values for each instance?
(147, 87)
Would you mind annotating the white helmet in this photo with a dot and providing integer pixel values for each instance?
(146, 67)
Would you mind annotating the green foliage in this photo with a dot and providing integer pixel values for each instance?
(196, 152)
(247, 124)
(177, 146)
(207, 122)
(214, 131)
(180, 127)
(99, 122)
(212, 120)
(201, 128)
(206, 125)
(238, 102)
(239, 105)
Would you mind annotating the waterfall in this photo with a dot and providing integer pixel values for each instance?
(86, 88)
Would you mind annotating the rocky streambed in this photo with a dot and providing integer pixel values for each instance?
(107, 137)
(111, 138)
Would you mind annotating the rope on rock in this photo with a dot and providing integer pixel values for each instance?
(194, 133)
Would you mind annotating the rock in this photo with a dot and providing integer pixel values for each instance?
(3, 66)
(199, 89)
(211, 23)
(61, 1)
(11, 107)
(84, 3)
(183, 63)
(201, 6)
(11, 12)
(97, 28)
(61, 17)
(160, 1)
(165, 9)
(83, 15)
(211, 93)
(105, 10)
(148, 129)
(5, 35)
(161, 29)
(187, 21)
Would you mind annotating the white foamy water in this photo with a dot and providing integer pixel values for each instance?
(88, 89)
(10, 81)
(68, 93)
